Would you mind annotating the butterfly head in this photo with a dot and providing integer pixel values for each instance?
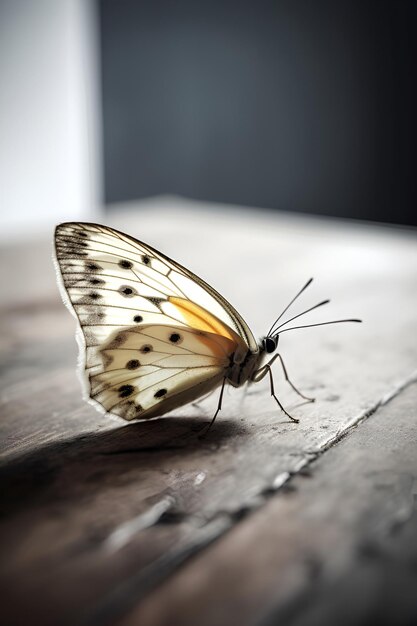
(269, 343)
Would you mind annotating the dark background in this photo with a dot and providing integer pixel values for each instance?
(295, 105)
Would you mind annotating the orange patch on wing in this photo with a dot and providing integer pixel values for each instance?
(200, 319)
(220, 347)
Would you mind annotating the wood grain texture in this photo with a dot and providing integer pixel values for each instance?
(96, 512)
(337, 545)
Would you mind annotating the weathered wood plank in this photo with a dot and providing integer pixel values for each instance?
(80, 535)
(339, 545)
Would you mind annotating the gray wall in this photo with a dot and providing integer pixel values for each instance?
(297, 105)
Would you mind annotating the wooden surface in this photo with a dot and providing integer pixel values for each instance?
(262, 522)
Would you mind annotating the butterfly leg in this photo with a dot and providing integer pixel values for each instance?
(219, 408)
(271, 379)
(261, 373)
(284, 369)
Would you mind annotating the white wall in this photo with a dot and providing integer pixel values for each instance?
(48, 114)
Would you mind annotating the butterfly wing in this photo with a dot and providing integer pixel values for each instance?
(112, 282)
(97, 258)
(149, 370)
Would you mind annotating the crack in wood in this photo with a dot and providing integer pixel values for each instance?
(123, 533)
(407, 382)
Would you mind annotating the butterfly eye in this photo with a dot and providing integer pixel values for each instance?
(270, 344)
(138, 319)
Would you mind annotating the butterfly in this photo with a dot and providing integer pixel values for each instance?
(154, 336)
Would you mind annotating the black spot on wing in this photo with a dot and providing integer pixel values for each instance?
(125, 264)
(127, 291)
(96, 281)
(125, 391)
(93, 267)
(70, 253)
(93, 319)
(133, 364)
(118, 341)
(88, 298)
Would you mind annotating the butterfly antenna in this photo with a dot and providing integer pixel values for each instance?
(288, 305)
(316, 306)
(319, 324)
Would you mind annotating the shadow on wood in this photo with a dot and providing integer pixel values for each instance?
(90, 462)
